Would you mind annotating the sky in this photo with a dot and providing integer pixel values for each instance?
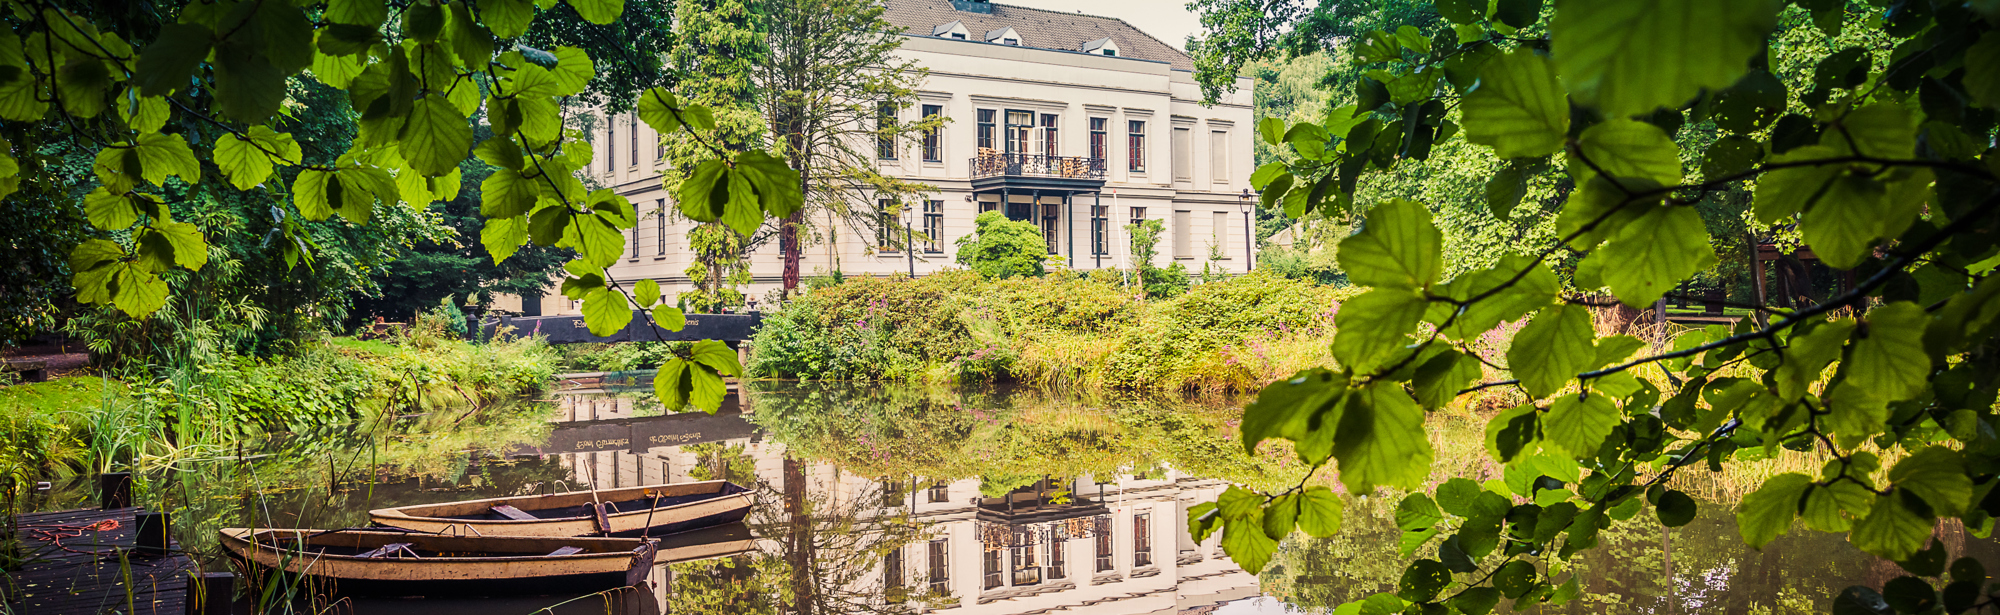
(1167, 20)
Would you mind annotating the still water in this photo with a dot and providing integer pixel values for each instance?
(973, 502)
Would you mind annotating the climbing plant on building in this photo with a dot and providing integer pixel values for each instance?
(1877, 152)
(169, 94)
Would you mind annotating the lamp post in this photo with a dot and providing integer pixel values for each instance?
(910, 241)
(1249, 244)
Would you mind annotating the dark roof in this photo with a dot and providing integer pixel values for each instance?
(1038, 28)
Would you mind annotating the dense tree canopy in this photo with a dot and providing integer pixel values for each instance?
(162, 95)
(1862, 132)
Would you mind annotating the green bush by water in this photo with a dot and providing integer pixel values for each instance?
(1062, 329)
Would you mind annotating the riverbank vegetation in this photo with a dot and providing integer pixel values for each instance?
(1067, 329)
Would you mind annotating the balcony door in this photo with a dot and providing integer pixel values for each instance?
(1021, 137)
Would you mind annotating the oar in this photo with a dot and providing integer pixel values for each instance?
(648, 531)
(603, 520)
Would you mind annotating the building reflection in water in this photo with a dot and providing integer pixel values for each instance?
(1112, 544)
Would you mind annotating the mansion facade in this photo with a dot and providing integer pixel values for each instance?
(1078, 124)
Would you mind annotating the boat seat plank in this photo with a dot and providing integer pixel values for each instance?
(566, 551)
(513, 513)
(385, 550)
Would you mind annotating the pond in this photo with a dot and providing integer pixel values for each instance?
(875, 498)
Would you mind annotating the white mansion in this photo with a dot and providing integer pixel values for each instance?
(1079, 124)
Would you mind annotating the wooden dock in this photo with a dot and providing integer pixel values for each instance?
(83, 562)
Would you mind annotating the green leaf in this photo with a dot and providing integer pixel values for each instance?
(1631, 57)
(1374, 327)
(1422, 580)
(1517, 13)
(1910, 594)
(136, 291)
(1515, 579)
(1982, 70)
(1675, 508)
(1280, 516)
(698, 195)
(1244, 540)
(1397, 247)
(600, 12)
(670, 317)
(1509, 432)
(1937, 475)
(190, 250)
(1882, 130)
(369, 13)
(1552, 349)
(1264, 174)
(163, 155)
(507, 18)
(674, 382)
(1462, 11)
(143, 113)
(1319, 512)
(573, 71)
(1631, 150)
(1439, 378)
(113, 212)
(647, 292)
(241, 162)
(1477, 600)
(1203, 520)
(1416, 512)
(1518, 107)
(1578, 424)
(506, 194)
(1767, 513)
(1239, 503)
(1456, 496)
(1654, 254)
(1380, 440)
(606, 313)
(1833, 508)
(1753, 103)
(171, 59)
(1454, 556)
(708, 389)
(1272, 129)
(1787, 191)
(1807, 355)
(1729, 156)
(504, 236)
(1892, 530)
(777, 185)
(1510, 298)
(1887, 357)
(717, 356)
(1295, 409)
(436, 137)
(1505, 191)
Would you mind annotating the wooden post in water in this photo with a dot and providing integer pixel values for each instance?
(153, 532)
(212, 593)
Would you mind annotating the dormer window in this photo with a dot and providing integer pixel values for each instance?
(953, 30)
(1103, 46)
(1004, 36)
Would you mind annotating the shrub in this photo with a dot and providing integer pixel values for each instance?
(1002, 248)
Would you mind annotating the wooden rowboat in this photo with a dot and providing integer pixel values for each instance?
(359, 562)
(651, 510)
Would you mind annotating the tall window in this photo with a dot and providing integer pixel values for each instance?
(1051, 214)
(1103, 541)
(940, 566)
(1218, 156)
(933, 240)
(1049, 141)
(1142, 540)
(1138, 215)
(610, 144)
(892, 571)
(1020, 126)
(940, 491)
(933, 140)
(1099, 241)
(660, 219)
(992, 567)
(1183, 237)
(1056, 568)
(635, 241)
(885, 124)
(987, 128)
(885, 226)
(1216, 233)
(632, 122)
(1027, 566)
(1183, 155)
(892, 493)
(1099, 141)
(1135, 145)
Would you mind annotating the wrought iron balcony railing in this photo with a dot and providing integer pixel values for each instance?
(996, 164)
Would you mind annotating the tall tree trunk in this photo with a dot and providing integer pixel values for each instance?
(799, 554)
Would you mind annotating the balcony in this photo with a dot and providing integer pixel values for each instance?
(993, 170)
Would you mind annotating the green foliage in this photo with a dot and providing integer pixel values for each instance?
(1002, 248)
(223, 71)
(1598, 115)
(1158, 282)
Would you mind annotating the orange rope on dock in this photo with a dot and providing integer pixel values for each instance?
(55, 533)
